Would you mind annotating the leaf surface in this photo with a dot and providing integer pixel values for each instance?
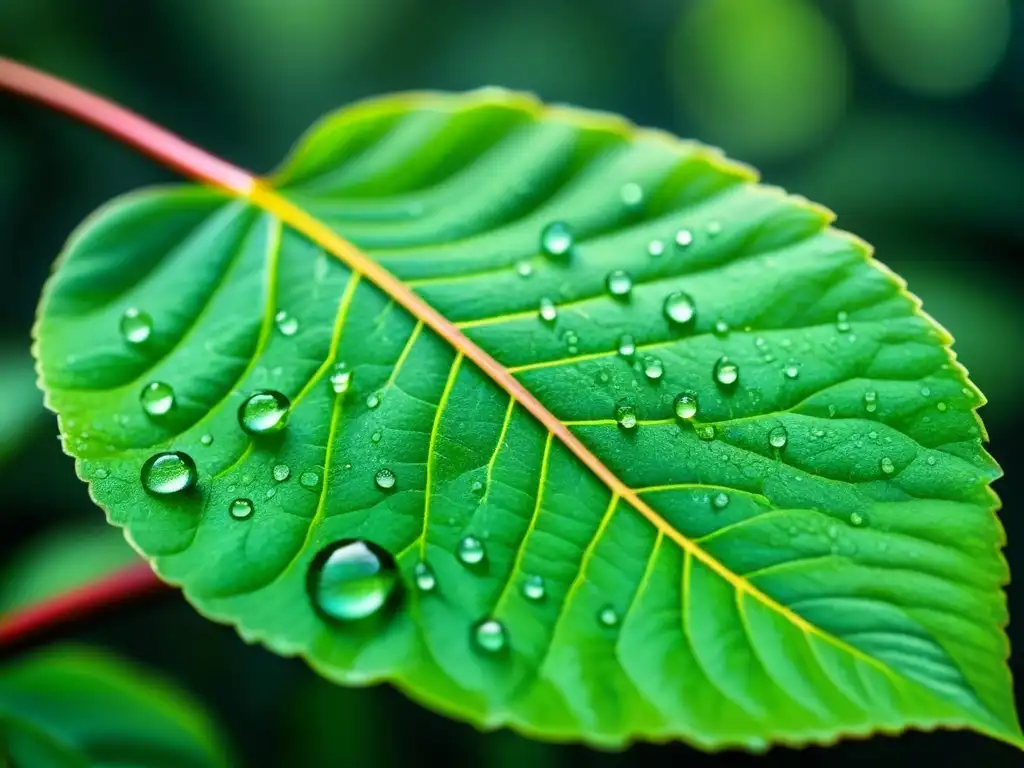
(72, 707)
(846, 581)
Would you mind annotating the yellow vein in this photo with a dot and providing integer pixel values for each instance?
(452, 373)
(646, 577)
(404, 354)
(497, 450)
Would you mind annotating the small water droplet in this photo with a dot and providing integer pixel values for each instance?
(654, 369)
(870, 401)
(655, 248)
(375, 437)
(778, 437)
(887, 466)
(281, 472)
(424, 577)
(489, 635)
(627, 347)
(685, 405)
(264, 412)
(942, 407)
(470, 550)
(727, 373)
(619, 283)
(721, 328)
(101, 473)
(286, 324)
(931, 461)
(341, 378)
(385, 479)
(309, 479)
(206, 439)
(925, 392)
(720, 500)
(679, 308)
(684, 238)
(632, 195)
(240, 509)
(608, 616)
(534, 588)
(833, 532)
(157, 398)
(352, 580)
(524, 268)
(856, 519)
(556, 239)
(705, 431)
(168, 473)
(547, 310)
(373, 400)
(136, 326)
(477, 487)
(625, 415)
(791, 371)
(271, 493)
(714, 228)
(842, 322)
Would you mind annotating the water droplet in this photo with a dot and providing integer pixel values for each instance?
(870, 401)
(341, 378)
(157, 398)
(655, 248)
(477, 487)
(240, 509)
(721, 328)
(842, 322)
(264, 412)
(424, 577)
(309, 479)
(685, 405)
(887, 466)
(777, 437)
(373, 400)
(632, 195)
(281, 472)
(627, 347)
(385, 479)
(625, 415)
(168, 473)
(791, 371)
(547, 310)
(619, 283)
(206, 439)
(271, 493)
(375, 437)
(925, 392)
(101, 474)
(556, 239)
(489, 635)
(714, 228)
(136, 326)
(856, 519)
(727, 373)
(352, 580)
(684, 238)
(608, 616)
(720, 500)
(533, 588)
(942, 407)
(470, 550)
(705, 431)
(286, 324)
(931, 461)
(679, 308)
(654, 369)
(524, 268)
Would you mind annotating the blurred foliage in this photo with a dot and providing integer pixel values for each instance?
(20, 406)
(904, 116)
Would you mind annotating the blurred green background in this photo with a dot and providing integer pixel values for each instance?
(904, 116)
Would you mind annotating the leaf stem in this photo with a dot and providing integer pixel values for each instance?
(135, 580)
(124, 125)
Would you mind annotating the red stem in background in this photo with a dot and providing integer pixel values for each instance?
(132, 581)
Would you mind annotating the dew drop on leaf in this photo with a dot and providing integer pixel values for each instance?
(842, 322)
(887, 466)
(373, 400)
(653, 368)
(856, 519)
(524, 268)
(791, 371)
(720, 500)
(714, 228)
(655, 248)
(489, 636)
(375, 437)
(942, 407)
(206, 439)
(684, 238)
(625, 415)
(685, 405)
(309, 479)
(705, 431)
(534, 588)
(632, 195)
(870, 401)
(679, 308)
(619, 283)
(341, 378)
(470, 550)
(424, 577)
(778, 437)
(608, 616)
(136, 326)
(169, 473)
(385, 479)
(931, 461)
(281, 472)
(101, 474)
(727, 373)
(352, 580)
(286, 324)
(627, 347)
(240, 509)
(556, 239)
(264, 412)
(157, 398)
(721, 328)
(547, 310)
(477, 487)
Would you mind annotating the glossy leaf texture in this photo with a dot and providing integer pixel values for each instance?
(74, 707)
(824, 558)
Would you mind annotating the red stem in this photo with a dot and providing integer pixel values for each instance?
(132, 581)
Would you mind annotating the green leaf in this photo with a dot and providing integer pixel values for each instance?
(78, 707)
(731, 591)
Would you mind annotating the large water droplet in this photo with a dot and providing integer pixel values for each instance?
(286, 324)
(887, 466)
(556, 239)
(608, 616)
(341, 378)
(720, 500)
(679, 308)
(470, 550)
(489, 635)
(533, 587)
(727, 373)
(206, 439)
(136, 326)
(168, 473)
(627, 347)
(385, 479)
(424, 577)
(309, 479)
(157, 398)
(777, 437)
(352, 580)
(619, 283)
(655, 248)
(685, 405)
(281, 472)
(791, 371)
(625, 415)
(547, 310)
(240, 509)
(684, 238)
(870, 401)
(264, 412)
(654, 369)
